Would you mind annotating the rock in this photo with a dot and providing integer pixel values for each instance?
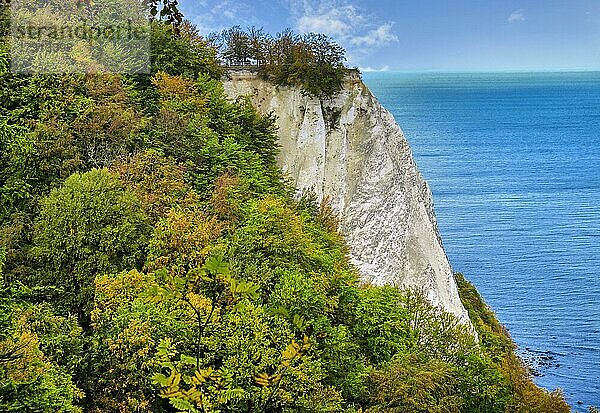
(350, 150)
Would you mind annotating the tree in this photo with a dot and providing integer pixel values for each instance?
(259, 45)
(166, 10)
(182, 51)
(313, 61)
(37, 355)
(412, 384)
(28, 380)
(89, 226)
(380, 323)
(158, 181)
(325, 73)
(237, 46)
(199, 127)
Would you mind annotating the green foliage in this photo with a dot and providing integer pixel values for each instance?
(199, 127)
(90, 226)
(313, 62)
(497, 345)
(14, 237)
(31, 380)
(381, 323)
(127, 328)
(193, 392)
(15, 189)
(157, 181)
(2, 262)
(61, 339)
(55, 126)
(165, 10)
(411, 384)
(494, 337)
(180, 50)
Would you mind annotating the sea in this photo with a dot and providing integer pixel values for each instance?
(513, 161)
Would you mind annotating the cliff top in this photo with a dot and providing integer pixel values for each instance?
(252, 72)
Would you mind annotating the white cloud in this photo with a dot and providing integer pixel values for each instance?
(517, 16)
(215, 15)
(381, 36)
(334, 21)
(226, 8)
(322, 24)
(370, 69)
(348, 24)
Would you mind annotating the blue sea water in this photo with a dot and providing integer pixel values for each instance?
(513, 160)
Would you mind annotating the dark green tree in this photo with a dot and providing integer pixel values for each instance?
(237, 46)
(88, 227)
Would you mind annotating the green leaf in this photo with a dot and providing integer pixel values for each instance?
(159, 379)
(244, 289)
(217, 266)
(182, 405)
(299, 322)
(187, 360)
(279, 311)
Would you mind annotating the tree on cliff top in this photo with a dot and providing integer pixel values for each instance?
(312, 61)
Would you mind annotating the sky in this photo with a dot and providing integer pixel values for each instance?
(417, 35)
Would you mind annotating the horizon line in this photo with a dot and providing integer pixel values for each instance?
(554, 70)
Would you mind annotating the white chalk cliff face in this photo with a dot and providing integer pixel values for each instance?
(350, 150)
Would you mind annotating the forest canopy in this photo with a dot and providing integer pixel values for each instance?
(154, 259)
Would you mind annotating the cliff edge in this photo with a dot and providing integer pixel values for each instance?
(350, 150)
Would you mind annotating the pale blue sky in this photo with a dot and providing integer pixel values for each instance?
(430, 35)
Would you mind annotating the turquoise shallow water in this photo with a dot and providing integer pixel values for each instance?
(513, 161)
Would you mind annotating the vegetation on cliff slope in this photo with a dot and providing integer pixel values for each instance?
(152, 259)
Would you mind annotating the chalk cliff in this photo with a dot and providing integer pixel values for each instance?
(350, 150)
